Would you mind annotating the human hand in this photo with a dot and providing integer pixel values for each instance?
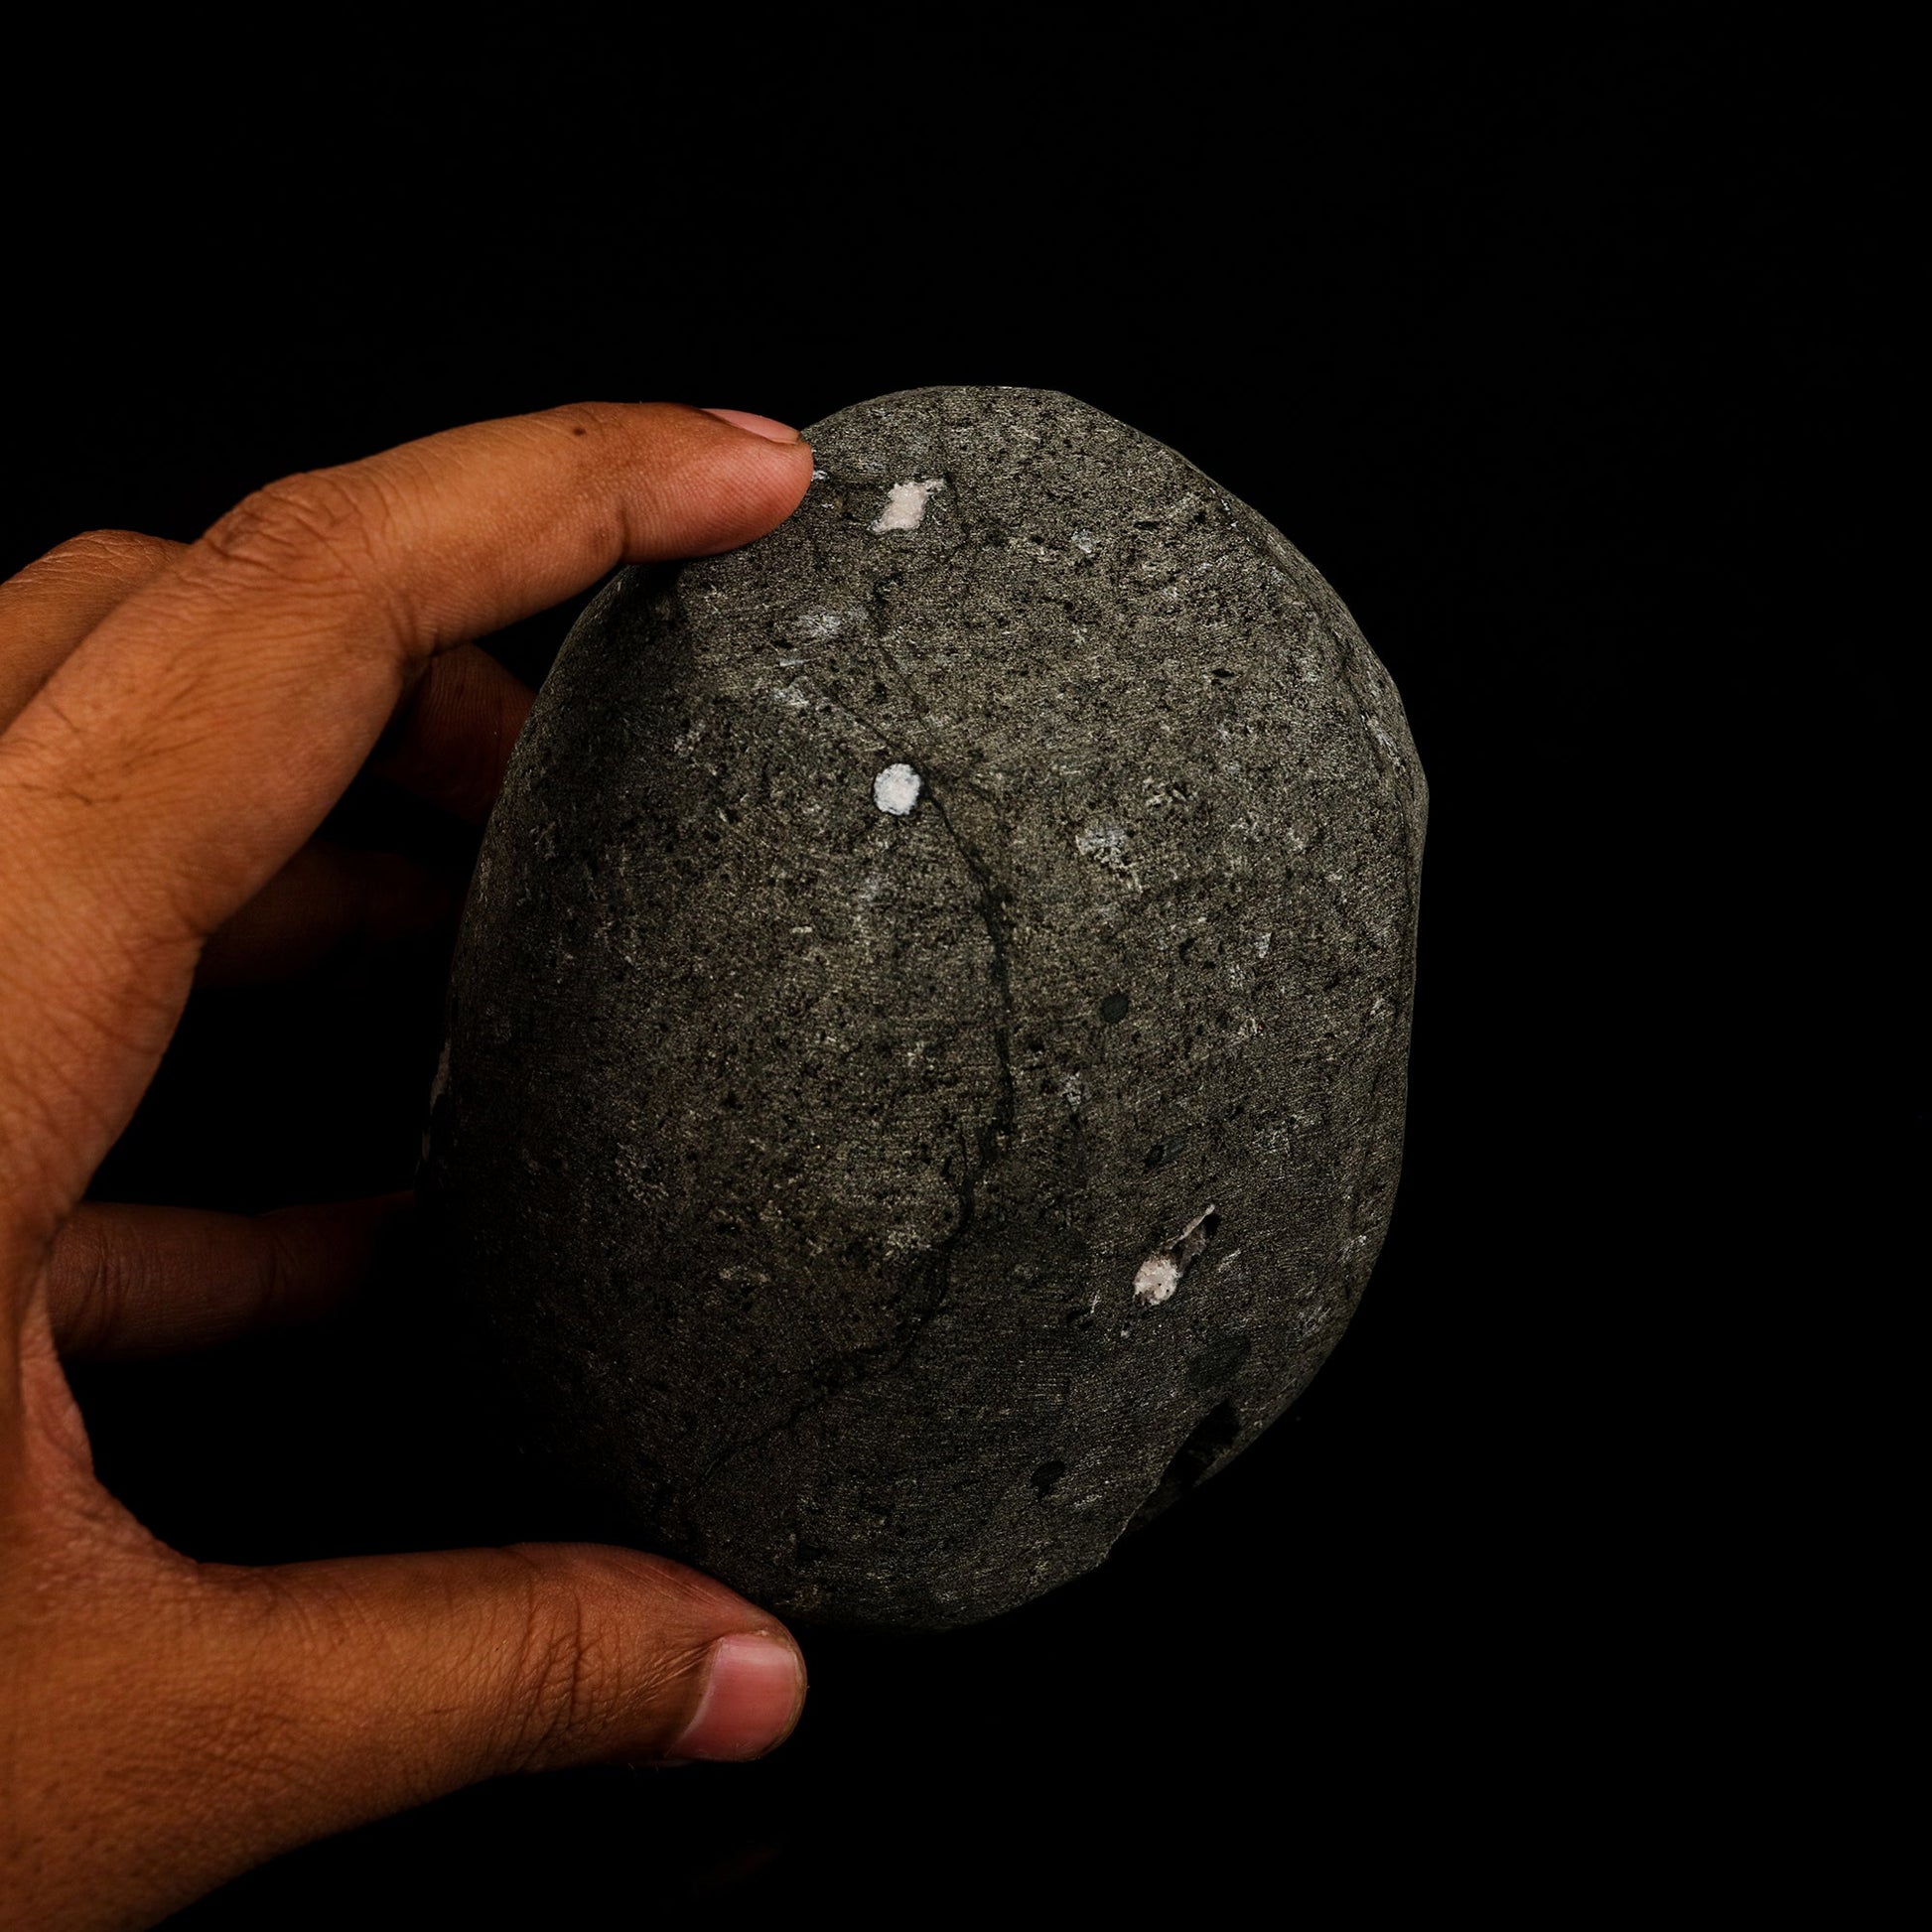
(175, 722)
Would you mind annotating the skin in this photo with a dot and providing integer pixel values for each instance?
(175, 721)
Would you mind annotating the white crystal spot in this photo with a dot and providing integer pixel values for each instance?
(896, 789)
(1160, 1273)
(1157, 1278)
(1107, 843)
(905, 506)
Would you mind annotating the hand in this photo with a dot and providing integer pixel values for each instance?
(175, 721)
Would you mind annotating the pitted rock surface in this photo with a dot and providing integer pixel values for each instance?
(927, 1046)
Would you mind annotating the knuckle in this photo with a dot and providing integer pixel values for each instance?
(315, 532)
(279, 1274)
(88, 1281)
(557, 1690)
(577, 1686)
(87, 574)
(115, 555)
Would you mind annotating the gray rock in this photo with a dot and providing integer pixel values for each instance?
(927, 1047)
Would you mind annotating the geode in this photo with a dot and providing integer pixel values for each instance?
(927, 1046)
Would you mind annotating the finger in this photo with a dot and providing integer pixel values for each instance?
(449, 742)
(289, 1704)
(197, 734)
(452, 740)
(325, 903)
(127, 1281)
(403, 1677)
(48, 608)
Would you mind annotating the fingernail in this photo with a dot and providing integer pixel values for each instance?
(767, 427)
(754, 1686)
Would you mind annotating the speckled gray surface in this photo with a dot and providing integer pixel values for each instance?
(927, 1046)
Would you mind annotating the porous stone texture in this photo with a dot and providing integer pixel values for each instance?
(927, 1046)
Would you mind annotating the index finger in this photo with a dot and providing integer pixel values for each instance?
(201, 731)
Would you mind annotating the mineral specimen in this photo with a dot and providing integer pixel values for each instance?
(927, 1048)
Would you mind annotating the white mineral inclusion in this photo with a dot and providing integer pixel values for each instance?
(1157, 1278)
(896, 789)
(1160, 1273)
(905, 506)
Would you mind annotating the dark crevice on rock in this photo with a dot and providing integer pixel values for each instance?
(1213, 1435)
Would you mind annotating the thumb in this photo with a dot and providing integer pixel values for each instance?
(441, 1668)
(377, 1683)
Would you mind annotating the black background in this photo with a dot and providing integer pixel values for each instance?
(1505, 335)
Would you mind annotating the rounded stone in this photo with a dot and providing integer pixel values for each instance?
(926, 1050)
